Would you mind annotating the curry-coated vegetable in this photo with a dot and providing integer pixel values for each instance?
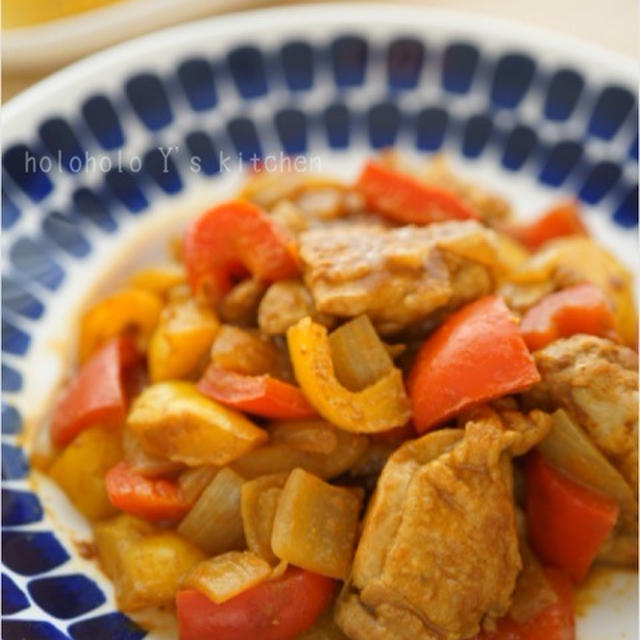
(143, 462)
(584, 259)
(80, 470)
(315, 525)
(182, 340)
(247, 352)
(272, 610)
(146, 565)
(233, 239)
(149, 498)
(476, 355)
(259, 503)
(262, 395)
(510, 255)
(314, 436)
(96, 395)
(215, 520)
(379, 407)
(348, 344)
(568, 449)
(225, 576)
(281, 456)
(405, 199)
(555, 622)
(566, 521)
(194, 480)
(127, 311)
(174, 420)
(582, 308)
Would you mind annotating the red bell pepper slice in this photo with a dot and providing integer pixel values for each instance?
(562, 220)
(231, 240)
(278, 609)
(476, 355)
(148, 498)
(566, 521)
(97, 394)
(403, 198)
(556, 622)
(261, 395)
(579, 309)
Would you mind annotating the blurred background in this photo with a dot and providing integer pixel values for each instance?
(40, 36)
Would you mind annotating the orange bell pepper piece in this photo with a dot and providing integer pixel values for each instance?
(231, 240)
(566, 521)
(148, 498)
(476, 355)
(555, 622)
(261, 395)
(97, 394)
(381, 406)
(580, 309)
(403, 198)
(561, 220)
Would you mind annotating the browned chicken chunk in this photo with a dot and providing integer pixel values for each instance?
(286, 302)
(595, 380)
(398, 276)
(439, 557)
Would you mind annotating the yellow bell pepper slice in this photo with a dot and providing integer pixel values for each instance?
(381, 406)
(181, 340)
(175, 421)
(135, 309)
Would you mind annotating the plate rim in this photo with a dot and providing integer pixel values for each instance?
(529, 37)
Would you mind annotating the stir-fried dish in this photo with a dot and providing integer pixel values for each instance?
(379, 411)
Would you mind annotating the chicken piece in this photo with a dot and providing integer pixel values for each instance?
(240, 305)
(439, 555)
(398, 276)
(284, 304)
(596, 381)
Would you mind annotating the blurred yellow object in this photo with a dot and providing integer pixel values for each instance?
(583, 258)
(81, 467)
(511, 254)
(21, 13)
(160, 278)
(181, 340)
(127, 310)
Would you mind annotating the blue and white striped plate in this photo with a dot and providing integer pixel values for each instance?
(531, 115)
